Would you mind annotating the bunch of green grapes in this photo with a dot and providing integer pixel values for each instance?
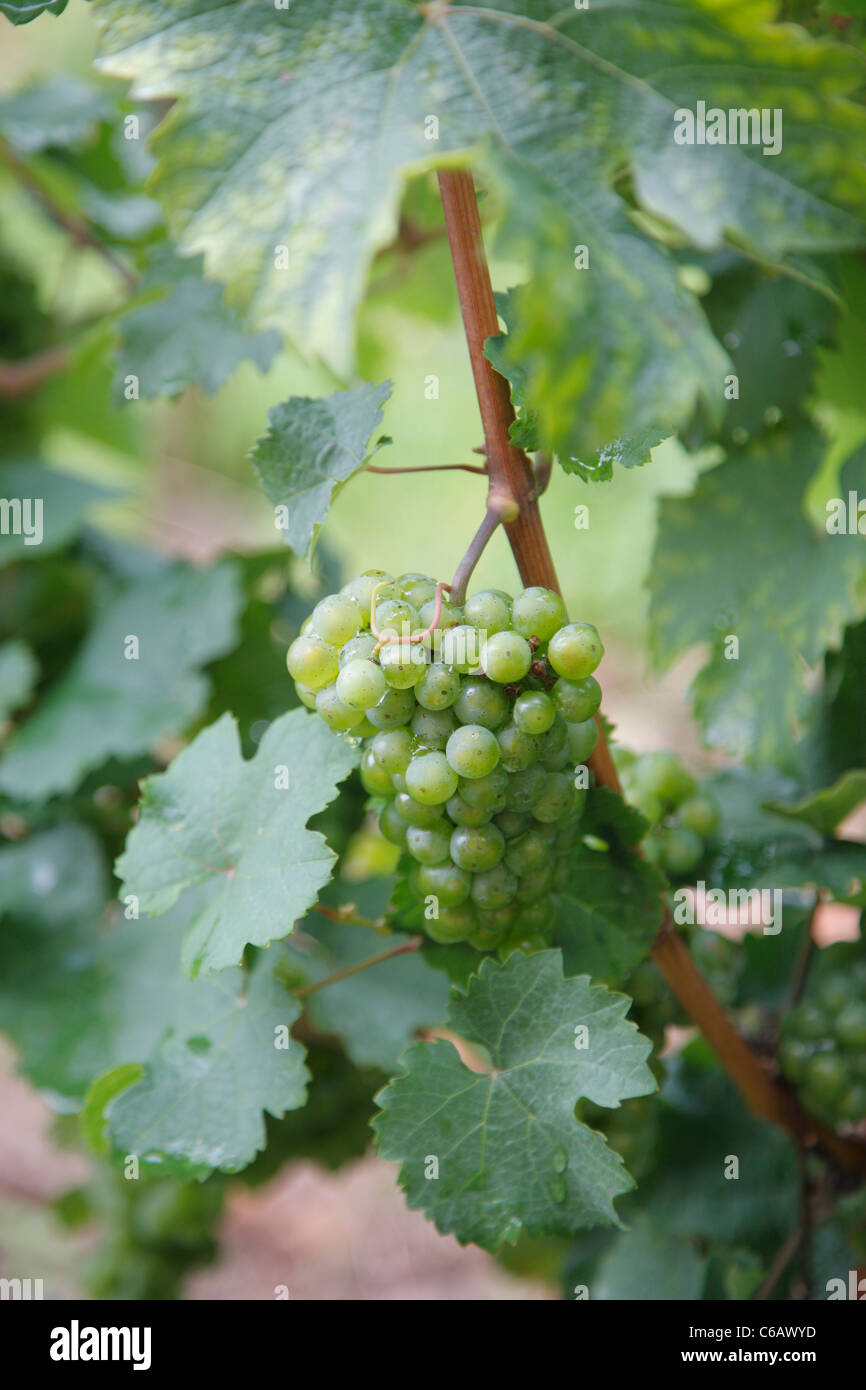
(682, 818)
(472, 720)
(822, 1048)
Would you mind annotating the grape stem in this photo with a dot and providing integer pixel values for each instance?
(511, 477)
(392, 951)
(492, 518)
(428, 468)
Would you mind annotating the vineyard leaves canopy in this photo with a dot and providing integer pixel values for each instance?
(284, 157)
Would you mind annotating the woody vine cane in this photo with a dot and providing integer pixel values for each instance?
(513, 502)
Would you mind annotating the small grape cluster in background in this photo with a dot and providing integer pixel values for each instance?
(822, 1048)
(682, 818)
(472, 720)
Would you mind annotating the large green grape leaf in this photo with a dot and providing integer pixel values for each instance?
(182, 332)
(111, 703)
(311, 448)
(379, 1011)
(294, 128)
(646, 1264)
(18, 673)
(827, 808)
(240, 828)
(511, 1155)
(51, 508)
(739, 559)
(101, 1008)
(53, 876)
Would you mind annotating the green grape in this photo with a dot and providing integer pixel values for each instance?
(393, 749)
(496, 921)
(513, 823)
(561, 873)
(403, 663)
(477, 848)
(453, 924)
(306, 695)
(365, 729)
(495, 888)
(794, 1056)
(438, 688)
(528, 853)
(307, 629)
(360, 684)
(428, 845)
(682, 851)
(489, 611)
(534, 712)
(556, 800)
(852, 1104)
(337, 618)
(537, 613)
(396, 707)
(461, 813)
(416, 813)
(649, 806)
(472, 751)
(582, 739)
(826, 1076)
(836, 991)
(337, 715)
(398, 783)
(534, 885)
(575, 651)
(577, 701)
(489, 793)
(569, 828)
(536, 918)
(699, 813)
(663, 775)
(447, 882)
(807, 1022)
(850, 1026)
(556, 762)
(506, 657)
(362, 588)
(525, 788)
(433, 727)
(416, 589)
(449, 617)
(430, 778)
(374, 779)
(460, 648)
(517, 750)
(312, 662)
(392, 824)
(360, 648)
(479, 702)
(487, 938)
(527, 942)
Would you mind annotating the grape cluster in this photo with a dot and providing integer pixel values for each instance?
(822, 1048)
(472, 719)
(682, 818)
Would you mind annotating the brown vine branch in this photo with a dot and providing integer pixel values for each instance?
(428, 468)
(82, 232)
(511, 476)
(17, 378)
(401, 950)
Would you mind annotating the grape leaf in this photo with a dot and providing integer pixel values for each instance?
(180, 331)
(288, 180)
(240, 828)
(510, 1153)
(50, 509)
(827, 808)
(311, 448)
(378, 1011)
(90, 1010)
(108, 704)
(757, 555)
(199, 1105)
(57, 112)
(22, 11)
(53, 876)
(18, 674)
(647, 1264)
